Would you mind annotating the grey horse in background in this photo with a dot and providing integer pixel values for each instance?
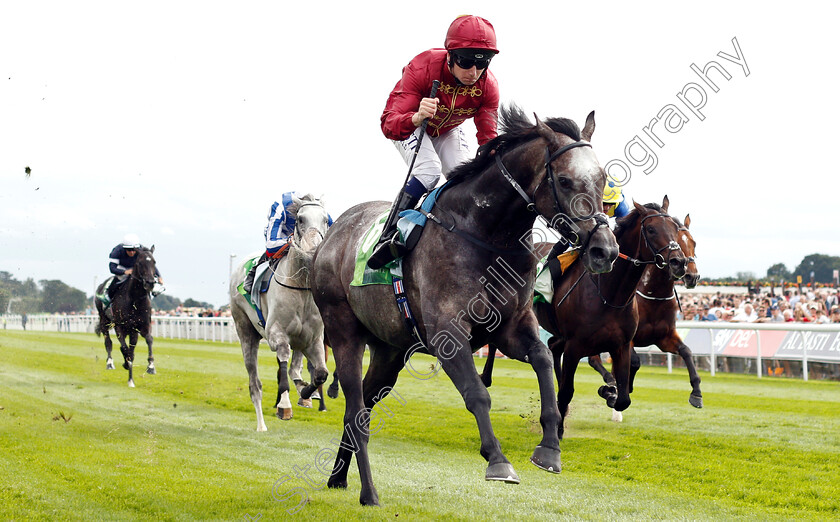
(292, 321)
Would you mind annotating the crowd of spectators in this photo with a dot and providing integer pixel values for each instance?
(794, 306)
(182, 311)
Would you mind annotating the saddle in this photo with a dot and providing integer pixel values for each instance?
(262, 280)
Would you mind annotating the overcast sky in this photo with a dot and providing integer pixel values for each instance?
(183, 121)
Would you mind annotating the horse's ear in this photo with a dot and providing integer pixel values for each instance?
(665, 203)
(152, 250)
(687, 221)
(545, 132)
(589, 127)
(639, 208)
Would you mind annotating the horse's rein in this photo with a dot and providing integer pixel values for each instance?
(296, 243)
(563, 227)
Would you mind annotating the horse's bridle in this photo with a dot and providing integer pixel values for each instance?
(296, 243)
(563, 226)
(657, 254)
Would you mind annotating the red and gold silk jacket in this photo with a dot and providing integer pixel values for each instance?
(457, 102)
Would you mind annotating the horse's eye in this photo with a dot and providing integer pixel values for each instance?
(564, 182)
(651, 229)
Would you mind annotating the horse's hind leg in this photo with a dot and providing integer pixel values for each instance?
(332, 391)
(623, 371)
(128, 355)
(250, 341)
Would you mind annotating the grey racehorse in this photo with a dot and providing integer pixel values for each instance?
(467, 281)
(292, 321)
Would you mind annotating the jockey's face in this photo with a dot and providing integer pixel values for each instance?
(609, 209)
(130, 252)
(466, 76)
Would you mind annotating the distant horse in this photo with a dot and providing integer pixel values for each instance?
(292, 321)
(468, 282)
(131, 308)
(658, 308)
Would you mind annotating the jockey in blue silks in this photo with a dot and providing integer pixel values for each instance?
(278, 232)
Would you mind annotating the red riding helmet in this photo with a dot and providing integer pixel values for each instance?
(471, 32)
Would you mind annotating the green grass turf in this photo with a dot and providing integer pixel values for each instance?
(77, 444)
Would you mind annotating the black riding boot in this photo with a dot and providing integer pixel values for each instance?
(249, 279)
(390, 246)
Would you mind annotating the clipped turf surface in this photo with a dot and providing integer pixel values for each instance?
(77, 443)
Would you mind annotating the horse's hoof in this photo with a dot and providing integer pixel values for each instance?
(109, 365)
(131, 384)
(306, 403)
(322, 408)
(486, 380)
(332, 392)
(501, 471)
(126, 366)
(696, 401)
(284, 413)
(617, 416)
(315, 395)
(369, 500)
(337, 484)
(547, 459)
(608, 393)
(151, 370)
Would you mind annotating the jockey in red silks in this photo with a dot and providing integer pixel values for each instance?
(467, 90)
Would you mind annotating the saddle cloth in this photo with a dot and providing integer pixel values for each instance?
(409, 220)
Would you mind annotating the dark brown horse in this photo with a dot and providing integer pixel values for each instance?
(132, 313)
(595, 314)
(468, 281)
(658, 306)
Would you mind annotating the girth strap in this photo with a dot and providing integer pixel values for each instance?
(405, 310)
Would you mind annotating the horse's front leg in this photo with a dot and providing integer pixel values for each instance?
(109, 361)
(523, 343)
(279, 343)
(566, 358)
(456, 359)
(296, 374)
(696, 398)
(127, 353)
(608, 391)
(146, 332)
(622, 362)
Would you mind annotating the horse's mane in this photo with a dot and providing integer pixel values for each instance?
(295, 206)
(623, 224)
(516, 129)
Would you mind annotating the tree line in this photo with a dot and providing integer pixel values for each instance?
(54, 296)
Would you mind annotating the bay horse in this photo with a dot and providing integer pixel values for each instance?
(292, 321)
(131, 308)
(469, 282)
(601, 315)
(658, 308)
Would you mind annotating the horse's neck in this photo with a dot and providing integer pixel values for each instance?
(294, 268)
(656, 283)
(489, 208)
(618, 285)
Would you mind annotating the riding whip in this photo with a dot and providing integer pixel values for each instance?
(435, 85)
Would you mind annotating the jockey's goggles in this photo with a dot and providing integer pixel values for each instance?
(468, 62)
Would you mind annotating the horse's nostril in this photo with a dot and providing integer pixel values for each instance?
(597, 253)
